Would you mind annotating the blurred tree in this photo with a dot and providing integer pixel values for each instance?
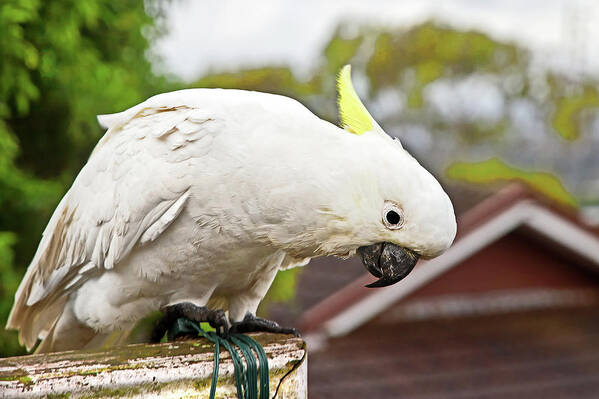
(494, 170)
(456, 94)
(576, 105)
(429, 52)
(8, 285)
(277, 80)
(62, 62)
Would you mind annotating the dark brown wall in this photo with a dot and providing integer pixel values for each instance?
(547, 354)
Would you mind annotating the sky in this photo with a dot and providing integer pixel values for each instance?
(226, 35)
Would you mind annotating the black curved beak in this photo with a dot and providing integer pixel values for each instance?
(389, 262)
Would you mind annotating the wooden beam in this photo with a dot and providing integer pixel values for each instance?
(175, 369)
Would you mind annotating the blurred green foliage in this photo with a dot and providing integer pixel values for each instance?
(430, 52)
(494, 170)
(277, 80)
(409, 62)
(339, 51)
(569, 117)
(8, 285)
(281, 290)
(62, 62)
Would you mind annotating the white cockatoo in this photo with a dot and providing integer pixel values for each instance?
(198, 197)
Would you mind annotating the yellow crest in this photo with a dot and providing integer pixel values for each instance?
(352, 113)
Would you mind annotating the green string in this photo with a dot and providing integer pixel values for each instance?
(246, 378)
(264, 376)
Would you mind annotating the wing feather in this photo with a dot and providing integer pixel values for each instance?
(132, 188)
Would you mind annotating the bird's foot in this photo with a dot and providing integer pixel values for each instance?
(216, 318)
(251, 323)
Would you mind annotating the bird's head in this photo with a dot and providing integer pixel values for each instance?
(392, 210)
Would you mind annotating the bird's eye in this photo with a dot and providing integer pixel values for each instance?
(392, 216)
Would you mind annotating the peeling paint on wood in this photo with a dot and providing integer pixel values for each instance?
(180, 369)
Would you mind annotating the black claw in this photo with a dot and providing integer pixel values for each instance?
(216, 318)
(292, 331)
(251, 323)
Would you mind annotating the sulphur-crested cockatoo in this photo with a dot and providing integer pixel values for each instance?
(198, 197)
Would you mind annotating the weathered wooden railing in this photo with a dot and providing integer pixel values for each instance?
(180, 369)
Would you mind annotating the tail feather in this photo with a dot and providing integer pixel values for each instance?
(38, 317)
(46, 345)
(67, 333)
(35, 321)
